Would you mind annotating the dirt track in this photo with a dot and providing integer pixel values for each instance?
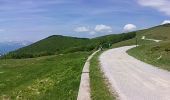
(133, 79)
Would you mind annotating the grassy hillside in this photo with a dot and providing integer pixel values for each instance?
(156, 53)
(63, 44)
(42, 78)
(161, 32)
(51, 45)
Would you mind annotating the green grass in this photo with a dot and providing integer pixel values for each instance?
(150, 53)
(43, 78)
(124, 43)
(98, 84)
(130, 42)
(161, 32)
(55, 44)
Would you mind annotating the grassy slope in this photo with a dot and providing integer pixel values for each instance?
(124, 43)
(53, 44)
(43, 78)
(149, 52)
(159, 32)
(99, 89)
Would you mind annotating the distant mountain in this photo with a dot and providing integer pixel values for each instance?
(12, 45)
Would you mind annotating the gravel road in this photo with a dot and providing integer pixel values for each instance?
(133, 79)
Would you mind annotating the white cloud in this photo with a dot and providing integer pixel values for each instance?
(93, 31)
(129, 27)
(81, 29)
(103, 28)
(160, 5)
(166, 22)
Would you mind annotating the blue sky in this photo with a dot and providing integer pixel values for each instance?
(33, 20)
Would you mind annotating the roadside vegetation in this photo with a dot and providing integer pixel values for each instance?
(157, 54)
(98, 84)
(42, 78)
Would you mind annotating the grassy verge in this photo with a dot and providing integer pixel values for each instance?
(43, 78)
(157, 54)
(124, 43)
(99, 89)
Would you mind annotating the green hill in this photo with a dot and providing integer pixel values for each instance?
(161, 32)
(53, 44)
(57, 44)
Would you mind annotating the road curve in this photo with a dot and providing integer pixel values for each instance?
(133, 79)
